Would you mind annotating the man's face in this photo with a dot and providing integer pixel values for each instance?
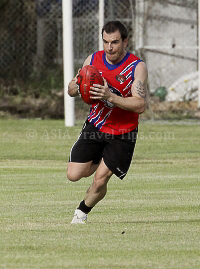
(114, 47)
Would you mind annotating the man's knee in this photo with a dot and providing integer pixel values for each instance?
(103, 174)
(71, 176)
(76, 171)
(100, 182)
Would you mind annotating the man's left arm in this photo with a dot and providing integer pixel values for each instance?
(137, 102)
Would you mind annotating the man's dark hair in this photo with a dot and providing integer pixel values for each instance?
(113, 26)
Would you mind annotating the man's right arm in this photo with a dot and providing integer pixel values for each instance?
(73, 87)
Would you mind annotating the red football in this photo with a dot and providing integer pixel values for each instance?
(88, 76)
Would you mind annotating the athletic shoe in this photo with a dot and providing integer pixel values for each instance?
(79, 217)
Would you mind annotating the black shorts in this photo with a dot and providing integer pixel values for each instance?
(116, 150)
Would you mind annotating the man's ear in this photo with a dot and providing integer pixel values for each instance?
(125, 42)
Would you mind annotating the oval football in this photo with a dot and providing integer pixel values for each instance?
(88, 76)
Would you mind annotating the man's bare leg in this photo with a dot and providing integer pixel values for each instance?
(98, 189)
(76, 171)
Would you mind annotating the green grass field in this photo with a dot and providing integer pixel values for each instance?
(151, 219)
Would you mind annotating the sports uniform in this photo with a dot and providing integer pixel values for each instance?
(110, 132)
(104, 115)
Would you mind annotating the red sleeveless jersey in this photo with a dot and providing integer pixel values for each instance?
(107, 117)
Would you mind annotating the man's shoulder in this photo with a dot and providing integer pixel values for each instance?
(97, 56)
(90, 59)
(98, 53)
(133, 57)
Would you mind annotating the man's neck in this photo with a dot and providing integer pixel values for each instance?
(118, 60)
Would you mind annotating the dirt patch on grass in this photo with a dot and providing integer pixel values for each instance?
(171, 110)
(52, 107)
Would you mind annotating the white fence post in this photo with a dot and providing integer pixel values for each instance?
(101, 22)
(68, 60)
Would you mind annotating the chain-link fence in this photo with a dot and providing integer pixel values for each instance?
(30, 44)
(162, 32)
